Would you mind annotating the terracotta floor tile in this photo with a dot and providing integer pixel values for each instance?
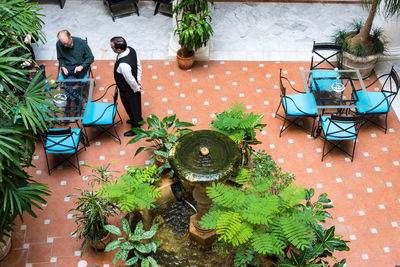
(368, 186)
(39, 252)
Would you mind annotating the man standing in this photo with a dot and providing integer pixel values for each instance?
(127, 75)
(73, 54)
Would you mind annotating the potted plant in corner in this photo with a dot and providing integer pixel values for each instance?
(194, 31)
(362, 45)
(92, 211)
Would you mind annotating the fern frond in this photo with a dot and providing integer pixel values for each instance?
(232, 229)
(260, 210)
(267, 244)
(292, 195)
(225, 196)
(243, 177)
(297, 233)
(209, 220)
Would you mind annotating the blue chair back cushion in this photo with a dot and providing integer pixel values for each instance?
(99, 113)
(378, 100)
(300, 105)
(321, 78)
(338, 130)
(63, 144)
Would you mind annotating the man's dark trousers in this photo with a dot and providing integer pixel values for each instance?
(132, 104)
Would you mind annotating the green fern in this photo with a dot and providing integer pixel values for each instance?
(225, 196)
(133, 190)
(267, 244)
(298, 234)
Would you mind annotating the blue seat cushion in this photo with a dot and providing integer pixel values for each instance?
(67, 146)
(378, 100)
(323, 84)
(333, 130)
(300, 105)
(99, 113)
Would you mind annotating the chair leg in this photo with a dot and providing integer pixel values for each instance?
(137, 9)
(386, 117)
(156, 10)
(77, 163)
(47, 161)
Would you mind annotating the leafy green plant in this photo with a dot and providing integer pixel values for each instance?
(191, 6)
(325, 243)
(240, 126)
(194, 31)
(18, 97)
(132, 248)
(161, 135)
(267, 215)
(377, 43)
(263, 172)
(133, 189)
(92, 210)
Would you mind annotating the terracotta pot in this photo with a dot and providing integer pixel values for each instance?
(5, 248)
(364, 64)
(184, 58)
(103, 242)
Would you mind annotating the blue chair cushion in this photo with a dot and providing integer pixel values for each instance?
(67, 146)
(323, 84)
(300, 105)
(378, 100)
(99, 113)
(333, 130)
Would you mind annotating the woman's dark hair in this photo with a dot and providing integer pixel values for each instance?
(119, 42)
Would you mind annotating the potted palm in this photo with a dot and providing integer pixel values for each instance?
(194, 31)
(18, 96)
(362, 44)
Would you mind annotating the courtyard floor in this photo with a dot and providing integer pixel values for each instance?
(365, 193)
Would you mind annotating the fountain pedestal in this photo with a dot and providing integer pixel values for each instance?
(203, 157)
(199, 235)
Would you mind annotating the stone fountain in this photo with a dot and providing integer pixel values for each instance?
(202, 157)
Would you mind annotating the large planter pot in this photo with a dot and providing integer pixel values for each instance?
(364, 64)
(103, 242)
(184, 58)
(5, 247)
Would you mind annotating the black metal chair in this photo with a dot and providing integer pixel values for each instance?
(64, 142)
(122, 8)
(380, 101)
(168, 7)
(326, 56)
(296, 106)
(337, 129)
(102, 115)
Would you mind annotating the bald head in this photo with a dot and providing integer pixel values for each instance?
(65, 38)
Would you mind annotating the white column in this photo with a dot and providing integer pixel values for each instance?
(391, 27)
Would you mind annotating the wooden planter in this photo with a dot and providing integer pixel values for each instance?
(364, 64)
(184, 58)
